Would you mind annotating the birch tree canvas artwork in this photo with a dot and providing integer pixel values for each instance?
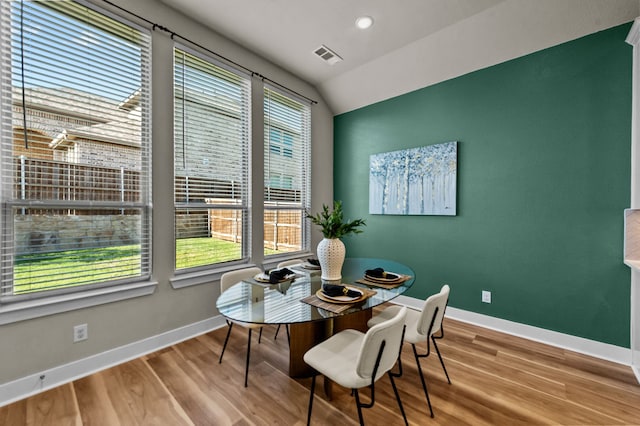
(416, 181)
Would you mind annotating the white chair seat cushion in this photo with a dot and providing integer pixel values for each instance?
(411, 334)
(336, 358)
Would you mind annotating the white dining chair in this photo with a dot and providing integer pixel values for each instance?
(227, 280)
(355, 360)
(290, 262)
(422, 326)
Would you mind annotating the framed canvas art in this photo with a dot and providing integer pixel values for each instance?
(416, 181)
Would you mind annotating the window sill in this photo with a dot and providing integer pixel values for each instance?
(203, 277)
(272, 262)
(35, 308)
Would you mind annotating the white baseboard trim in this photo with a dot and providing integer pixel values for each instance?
(33, 384)
(581, 345)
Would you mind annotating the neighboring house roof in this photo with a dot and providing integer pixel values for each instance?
(62, 114)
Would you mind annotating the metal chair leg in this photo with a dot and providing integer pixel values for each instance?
(359, 407)
(229, 324)
(260, 336)
(275, 337)
(424, 384)
(313, 388)
(441, 360)
(246, 368)
(395, 391)
(399, 374)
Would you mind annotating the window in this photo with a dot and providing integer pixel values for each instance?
(287, 172)
(211, 162)
(280, 142)
(280, 180)
(74, 150)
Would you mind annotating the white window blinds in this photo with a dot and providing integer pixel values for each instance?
(211, 162)
(74, 149)
(287, 172)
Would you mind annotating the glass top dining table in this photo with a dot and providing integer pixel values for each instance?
(254, 302)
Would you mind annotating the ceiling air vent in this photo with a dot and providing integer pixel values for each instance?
(327, 55)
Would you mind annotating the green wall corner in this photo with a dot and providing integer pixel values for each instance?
(544, 145)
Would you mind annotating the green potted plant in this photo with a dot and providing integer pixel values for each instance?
(331, 250)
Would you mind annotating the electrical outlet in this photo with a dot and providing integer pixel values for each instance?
(80, 333)
(486, 296)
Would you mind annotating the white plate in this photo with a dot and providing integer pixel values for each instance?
(307, 265)
(340, 299)
(385, 280)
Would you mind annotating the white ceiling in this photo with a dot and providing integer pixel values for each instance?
(409, 38)
(286, 32)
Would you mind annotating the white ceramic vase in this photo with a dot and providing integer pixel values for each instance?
(331, 254)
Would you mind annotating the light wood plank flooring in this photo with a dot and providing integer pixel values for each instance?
(497, 379)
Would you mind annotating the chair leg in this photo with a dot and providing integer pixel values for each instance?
(275, 337)
(441, 360)
(246, 368)
(313, 388)
(424, 384)
(229, 324)
(395, 391)
(260, 335)
(359, 406)
(399, 362)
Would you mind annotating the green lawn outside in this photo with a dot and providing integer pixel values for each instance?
(33, 272)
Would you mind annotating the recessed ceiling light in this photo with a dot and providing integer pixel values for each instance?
(364, 22)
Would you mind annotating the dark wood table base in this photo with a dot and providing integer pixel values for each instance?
(306, 335)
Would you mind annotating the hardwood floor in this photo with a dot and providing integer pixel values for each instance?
(497, 379)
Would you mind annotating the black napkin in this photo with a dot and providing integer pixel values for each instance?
(380, 273)
(334, 290)
(278, 275)
(313, 261)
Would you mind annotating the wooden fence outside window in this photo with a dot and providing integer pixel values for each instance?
(49, 180)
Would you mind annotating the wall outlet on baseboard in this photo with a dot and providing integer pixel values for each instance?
(486, 296)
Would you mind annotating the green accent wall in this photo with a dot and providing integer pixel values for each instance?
(544, 145)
